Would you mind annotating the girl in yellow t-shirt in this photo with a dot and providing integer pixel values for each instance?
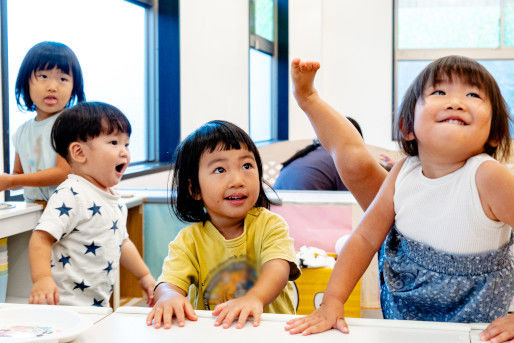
(237, 254)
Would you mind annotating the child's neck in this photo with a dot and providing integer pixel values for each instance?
(434, 167)
(229, 229)
(42, 115)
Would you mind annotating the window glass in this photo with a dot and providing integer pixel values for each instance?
(108, 38)
(437, 24)
(260, 96)
(501, 70)
(508, 13)
(264, 18)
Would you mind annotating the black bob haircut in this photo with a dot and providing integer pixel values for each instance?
(45, 56)
(470, 72)
(216, 134)
(85, 121)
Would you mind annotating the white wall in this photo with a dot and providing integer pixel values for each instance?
(214, 62)
(353, 42)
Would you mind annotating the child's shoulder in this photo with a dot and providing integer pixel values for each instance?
(261, 216)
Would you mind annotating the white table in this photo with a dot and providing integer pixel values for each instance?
(128, 324)
(95, 314)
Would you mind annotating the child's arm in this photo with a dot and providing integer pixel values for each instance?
(495, 184)
(500, 330)
(359, 171)
(352, 263)
(43, 178)
(131, 260)
(44, 289)
(170, 300)
(272, 279)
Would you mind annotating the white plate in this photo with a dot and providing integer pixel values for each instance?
(40, 325)
(5, 206)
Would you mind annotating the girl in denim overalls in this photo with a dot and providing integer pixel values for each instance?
(444, 213)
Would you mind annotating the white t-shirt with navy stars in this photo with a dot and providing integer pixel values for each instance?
(89, 225)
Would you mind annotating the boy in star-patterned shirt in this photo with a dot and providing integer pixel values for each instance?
(81, 239)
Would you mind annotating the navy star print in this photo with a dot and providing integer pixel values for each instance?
(72, 191)
(82, 286)
(98, 302)
(64, 260)
(120, 207)
(114, 226)
(96, 209)
(92, 248)
(64, 210)
(109, 267)
(56, 191)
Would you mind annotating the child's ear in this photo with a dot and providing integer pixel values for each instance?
(196, 196)
(408, 136)
(76, 152)
(493, 143)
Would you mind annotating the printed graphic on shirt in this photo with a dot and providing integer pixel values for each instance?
(231, 279)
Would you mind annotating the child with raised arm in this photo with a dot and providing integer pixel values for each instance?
(444, 212)
(81, 239)
(49, 80)
(237, 254)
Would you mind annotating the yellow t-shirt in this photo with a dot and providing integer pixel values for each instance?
(222, 269)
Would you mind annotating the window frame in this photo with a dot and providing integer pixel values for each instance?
(278, 50)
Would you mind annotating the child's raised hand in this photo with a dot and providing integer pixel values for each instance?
(329, 315)
(243, 307)
(500, 330)
(44, 291)
(302, 74)
(170, 303)
(147, 282)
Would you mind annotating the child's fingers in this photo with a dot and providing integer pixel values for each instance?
(297, 327)
(157, 318)
(257, 318)
(220, 307)
(221, 317)
(167, 317)
(179, 314)
(56, 296)
(295, 62)
(231, 315)
(341, 325)
(490, 331)
(501, 338)
(190, 312)
(243, 316)
(50, 298)
(150, 317)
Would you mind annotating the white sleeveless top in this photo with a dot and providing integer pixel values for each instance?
(446, 212)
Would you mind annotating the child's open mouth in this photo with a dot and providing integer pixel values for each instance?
(454, 120)
(236, 199)
(119, 168)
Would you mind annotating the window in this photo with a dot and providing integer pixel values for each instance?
(480, 29)
(110, 39)
(263, 108)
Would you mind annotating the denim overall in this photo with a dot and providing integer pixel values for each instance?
(418, 282)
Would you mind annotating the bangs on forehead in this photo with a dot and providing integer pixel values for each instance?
(472, 74)
(115, 124)
(225, 138)
(50, 61)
